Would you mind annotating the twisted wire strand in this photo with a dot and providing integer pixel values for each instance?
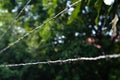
(64, 61)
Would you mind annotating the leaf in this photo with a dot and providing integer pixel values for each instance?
(98, 6)
(50, 5)
(74, 13)
(88, 3)
(45, 33)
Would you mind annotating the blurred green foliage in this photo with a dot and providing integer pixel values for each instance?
(64, 37)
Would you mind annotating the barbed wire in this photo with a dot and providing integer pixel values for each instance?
(15, 20)
(64, 61)
(27, 34)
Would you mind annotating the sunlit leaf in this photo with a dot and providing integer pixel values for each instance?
(74, 14)
(98, 6)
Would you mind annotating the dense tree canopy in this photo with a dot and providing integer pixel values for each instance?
(87, 29)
